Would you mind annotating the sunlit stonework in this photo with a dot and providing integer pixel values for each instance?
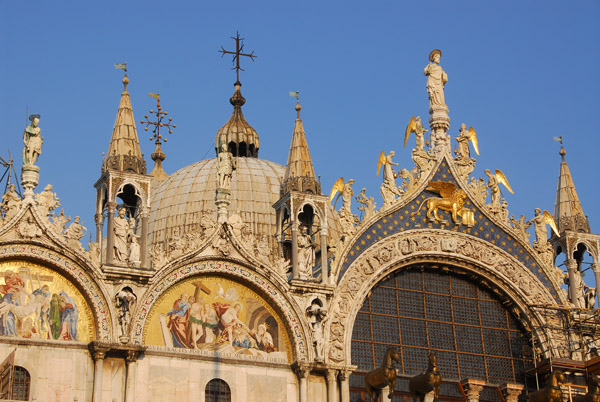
(240, 277)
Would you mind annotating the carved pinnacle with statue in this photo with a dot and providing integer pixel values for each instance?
(439, 122)
(389, 189)
(347, 218)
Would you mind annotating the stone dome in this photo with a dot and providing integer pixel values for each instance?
(180, 200)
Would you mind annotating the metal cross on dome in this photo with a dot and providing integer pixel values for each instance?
(239, 47)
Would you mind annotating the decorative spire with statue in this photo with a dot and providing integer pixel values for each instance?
(32, 148)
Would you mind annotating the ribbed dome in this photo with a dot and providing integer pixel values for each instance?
(180, 200)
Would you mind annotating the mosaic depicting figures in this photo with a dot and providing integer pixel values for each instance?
(38, 303)
(216, 314)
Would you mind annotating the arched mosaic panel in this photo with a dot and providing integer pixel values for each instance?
(39, 303)
(210, 313)
(420, 310)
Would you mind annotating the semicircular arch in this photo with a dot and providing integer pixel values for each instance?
(274, 298)
(498, 271)
(94, 295)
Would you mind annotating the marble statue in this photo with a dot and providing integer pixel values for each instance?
(47, 201)
(521, 226)
(60, 221)
(75, 233)
(306, 253)
(389, 190)
(124, 301)
(368, 204)
(494, 179)
(121, 231)
(539, 224)
(29, 230)
(32, 141)
(11, 203)
(317, 315)
(93, 251)
(134, 250)
(347, 218)
(226, 164)
(436, 79)
(263, 251)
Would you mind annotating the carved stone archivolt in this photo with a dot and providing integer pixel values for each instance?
(467, 253)
(273, 291)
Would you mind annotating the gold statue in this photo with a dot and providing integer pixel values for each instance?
(338, 186)
(415, 126)
(463, 142)
(382, 377)
(453, 200)
(551, 392)
(389, 190)
(493, 181)
(422, 384)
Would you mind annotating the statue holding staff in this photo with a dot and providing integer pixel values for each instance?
(32, 141)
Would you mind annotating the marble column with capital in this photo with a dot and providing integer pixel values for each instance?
(302, 373)
(98, 356)
(130, 369)
(110, 228)
(324, 263)
(511, 392)
(294, 252)
(332, 389)
(596, 269)
(345, 385)
(573, 281)
(472, 389)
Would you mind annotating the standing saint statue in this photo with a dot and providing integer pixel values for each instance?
(306, 253)
(225, 166)
(32, 141)
(436, 79)
(121, 231)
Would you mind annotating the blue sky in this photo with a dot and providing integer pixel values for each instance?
(519, 73)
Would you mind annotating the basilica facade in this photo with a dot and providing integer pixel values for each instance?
(236, 279)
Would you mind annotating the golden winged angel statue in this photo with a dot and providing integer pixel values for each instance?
(415, 126)
(463, 139)
(493, 181)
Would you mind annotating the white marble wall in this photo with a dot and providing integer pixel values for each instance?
(57, 374)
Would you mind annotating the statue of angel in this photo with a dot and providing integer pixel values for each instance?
(493, 181)
(539, 222)
(463, 139)
(347, 218)
(416, 126)
(389, 190)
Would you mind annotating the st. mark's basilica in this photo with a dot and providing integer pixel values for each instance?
(237, 279)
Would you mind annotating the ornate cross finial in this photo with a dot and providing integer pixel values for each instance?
(239, 46)
(160, 114)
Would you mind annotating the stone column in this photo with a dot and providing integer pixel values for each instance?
(99, 219)
(332, 389)
(302, 373)
(324, 265)
(30, 177)
(110, 229)
(345, 385)
(573, 281)
(472, 389)
(294, 250)
(144, 240)
(130, 374)
(99, 356)
(596, 269)
(511, 392)
(222, 201)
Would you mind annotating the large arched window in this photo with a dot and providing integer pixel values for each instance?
(424, 309)
(217, 390)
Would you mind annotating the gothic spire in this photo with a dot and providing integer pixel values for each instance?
(124, 152)
(299, 171)
(568, 212)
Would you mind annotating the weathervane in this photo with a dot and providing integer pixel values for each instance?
(160, 115)
(239, 46)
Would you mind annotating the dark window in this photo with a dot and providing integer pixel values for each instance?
(217, 390)
(21, 383)
(423, 309)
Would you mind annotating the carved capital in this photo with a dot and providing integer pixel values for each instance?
(511, 392)
(331, 375)
(472, 389)
(110, 207)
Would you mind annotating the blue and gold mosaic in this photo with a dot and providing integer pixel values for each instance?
(403, 219)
